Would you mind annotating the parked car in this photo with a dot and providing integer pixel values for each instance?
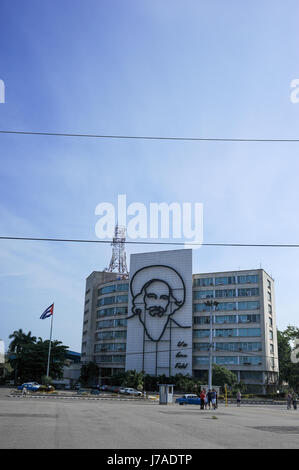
(104, 388)
(132, 391)
(95, 391)
(31, 386)
(189, 399)
(122, 390)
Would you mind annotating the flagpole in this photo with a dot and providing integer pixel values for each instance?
(48, 365)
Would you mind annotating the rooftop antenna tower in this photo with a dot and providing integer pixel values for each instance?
(118, 262)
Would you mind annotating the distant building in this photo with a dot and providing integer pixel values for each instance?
(121, 332)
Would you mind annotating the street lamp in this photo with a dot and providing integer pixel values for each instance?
(211, 303)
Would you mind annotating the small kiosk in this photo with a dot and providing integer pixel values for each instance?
(165, 393)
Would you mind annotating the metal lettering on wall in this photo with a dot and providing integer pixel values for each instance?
(180, 354)
(155, 301)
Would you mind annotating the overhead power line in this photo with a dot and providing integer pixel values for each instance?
(69, 240)
(148, 137)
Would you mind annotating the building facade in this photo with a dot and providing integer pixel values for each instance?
(159, 320)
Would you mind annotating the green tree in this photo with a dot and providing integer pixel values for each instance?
(288, 371)
(222, 376)
(29, 358)
(16, 346)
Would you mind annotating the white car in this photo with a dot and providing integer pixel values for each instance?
(132, 391)
(122, 390)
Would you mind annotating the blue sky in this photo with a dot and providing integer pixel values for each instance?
(192, 68)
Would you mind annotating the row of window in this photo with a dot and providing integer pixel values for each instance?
(220, 293)
(113, 358)
(228, 360)
(111, 323)
(113, 288)
(226, 280)
(227, 306)
(109, 312)
(118, 334)
(252, 346)
(117, 299)
(249, 332)
(205, 320)
(118, 347)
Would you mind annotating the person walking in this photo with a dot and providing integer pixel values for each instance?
(209, 397)
(202, 399)
(24, 391)
(238, 398)
(213, 398)
(295, 398)
(289, 401)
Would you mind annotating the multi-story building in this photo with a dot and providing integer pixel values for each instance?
(243, 324)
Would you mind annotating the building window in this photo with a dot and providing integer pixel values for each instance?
(248, 305)
(111, 323)
(225, 332)
(270, 309)
(271, 348)
(201, 333)
(251, 375)
(249, 279)
(224, 281)
(269, 284)
(228, 360)
(113, 288)
(271, 334)
(201, 346)
(118, 347)
(203, 294)
(269, 296)
(253, 318)
(225, 293)
(201, 308)
(200, 360)
(203, 282)
(249, 292)
(250, 360)
(201, 320)
(225, 319)
(112, 358)
(222, 306)
(249, 332)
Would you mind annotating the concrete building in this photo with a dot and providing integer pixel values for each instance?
(125, 328)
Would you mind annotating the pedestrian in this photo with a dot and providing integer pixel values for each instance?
(213, 398)
(202, 399)
(206, 401)
(209, 397)
(295, 398)
(24, 391)
(289, 401)
(238, 398)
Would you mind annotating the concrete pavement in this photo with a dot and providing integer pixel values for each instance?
(108, 424)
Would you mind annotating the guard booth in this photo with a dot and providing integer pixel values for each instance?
(165, 393)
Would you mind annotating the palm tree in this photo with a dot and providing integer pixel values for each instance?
(19, 340)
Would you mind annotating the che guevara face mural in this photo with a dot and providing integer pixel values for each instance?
(155, 300)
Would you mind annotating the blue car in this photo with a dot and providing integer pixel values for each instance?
(31, 386)
(189, 399)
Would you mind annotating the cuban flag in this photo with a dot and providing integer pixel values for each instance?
(48, 312)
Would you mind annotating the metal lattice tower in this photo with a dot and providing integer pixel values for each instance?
(118, 261)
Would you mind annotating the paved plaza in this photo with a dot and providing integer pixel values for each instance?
(49, 423)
